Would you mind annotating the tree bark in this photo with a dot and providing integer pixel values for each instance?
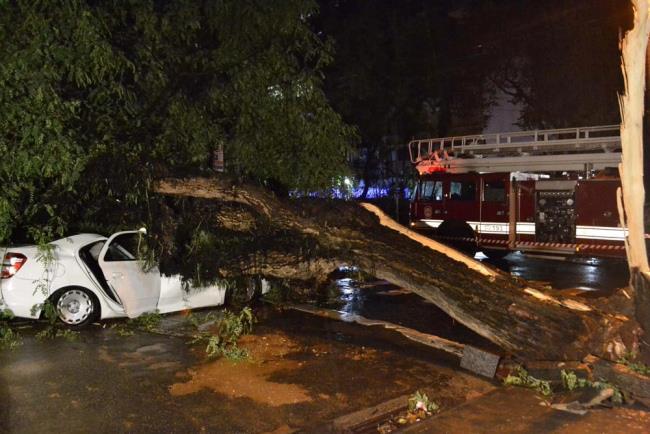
(631, 195)
(524, 321)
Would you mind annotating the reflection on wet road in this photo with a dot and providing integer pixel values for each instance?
(351, 295)
(383, 301)
(591, 274)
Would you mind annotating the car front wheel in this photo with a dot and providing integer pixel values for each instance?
(76, 307)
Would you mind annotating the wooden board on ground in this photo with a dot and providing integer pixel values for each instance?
(479, 361)
(369, 415)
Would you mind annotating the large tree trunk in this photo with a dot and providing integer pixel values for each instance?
(521, 320)
(631, 196)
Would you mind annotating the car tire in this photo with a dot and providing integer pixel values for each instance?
(76, 307)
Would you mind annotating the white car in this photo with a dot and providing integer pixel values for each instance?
(93, 277)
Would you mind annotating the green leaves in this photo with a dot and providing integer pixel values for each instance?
(51, 59)
(99, 98)
(522, 378)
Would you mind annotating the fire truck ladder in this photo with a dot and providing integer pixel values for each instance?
(566, 149)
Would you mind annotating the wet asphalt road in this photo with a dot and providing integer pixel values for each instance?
(60, 386)
(305, 372)
(590, 274)
(107, 383)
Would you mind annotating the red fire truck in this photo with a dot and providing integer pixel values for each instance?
(544, 191)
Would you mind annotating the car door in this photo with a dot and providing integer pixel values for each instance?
(139, 290)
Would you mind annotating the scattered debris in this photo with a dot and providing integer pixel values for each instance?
(419, 408)
(222, 333)
(580, 408)
(420, 403)
(57, 332)
(523, 379)
(636, 385)
(54, 328)
(551, 370)
(571, 381)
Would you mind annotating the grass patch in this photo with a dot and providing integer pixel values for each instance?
(9, 338)
(147, 322)
(122, 329)
(571, 381)
(57, 332)
(629, 360)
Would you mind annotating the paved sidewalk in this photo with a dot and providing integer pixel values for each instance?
(517, 410)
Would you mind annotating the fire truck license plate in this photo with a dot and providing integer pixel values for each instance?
(492, 228)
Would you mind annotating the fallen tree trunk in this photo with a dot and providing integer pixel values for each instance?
(305, 239)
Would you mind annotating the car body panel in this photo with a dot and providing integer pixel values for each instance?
(175, 297)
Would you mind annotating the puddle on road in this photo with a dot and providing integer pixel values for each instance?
(381, 300)
(250, 379)
(601, 276)
(306, 370)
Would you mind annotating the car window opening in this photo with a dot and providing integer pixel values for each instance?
(90, 255)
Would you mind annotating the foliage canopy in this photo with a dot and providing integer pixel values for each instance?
(97, 99)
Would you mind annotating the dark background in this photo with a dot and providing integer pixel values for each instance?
(408, 69)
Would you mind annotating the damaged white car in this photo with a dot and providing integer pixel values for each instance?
(92, 277)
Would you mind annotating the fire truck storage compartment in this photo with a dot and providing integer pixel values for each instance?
(555, 216)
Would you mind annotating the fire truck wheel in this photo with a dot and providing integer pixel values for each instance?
(458, 235)
(495, 254)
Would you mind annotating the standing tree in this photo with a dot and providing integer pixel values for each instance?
(97, 99)
(631, 197)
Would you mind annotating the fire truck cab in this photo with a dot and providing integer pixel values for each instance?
(539, 191)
